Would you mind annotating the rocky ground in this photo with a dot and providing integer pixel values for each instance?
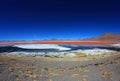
(81, 68)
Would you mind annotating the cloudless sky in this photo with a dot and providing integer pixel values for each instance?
(62, 19)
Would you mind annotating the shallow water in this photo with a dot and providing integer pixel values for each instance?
(73, 47)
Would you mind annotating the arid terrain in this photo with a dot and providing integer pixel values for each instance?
(107, 37)
(102, 67)
(81, 68)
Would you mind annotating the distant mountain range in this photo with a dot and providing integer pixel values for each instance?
(106, 37)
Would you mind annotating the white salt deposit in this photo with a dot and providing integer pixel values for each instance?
(116, 45)
(57, 54)
(95, 51)
(42, 46)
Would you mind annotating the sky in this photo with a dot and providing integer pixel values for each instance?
(61, 19)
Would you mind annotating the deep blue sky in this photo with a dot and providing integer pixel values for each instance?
(62, 19)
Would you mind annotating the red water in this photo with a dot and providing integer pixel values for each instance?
(58, 42)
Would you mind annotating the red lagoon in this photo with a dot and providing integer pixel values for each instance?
(59, 42)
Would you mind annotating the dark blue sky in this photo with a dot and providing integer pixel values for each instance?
(62, 19)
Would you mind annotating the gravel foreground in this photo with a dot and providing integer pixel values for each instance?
(29, 68)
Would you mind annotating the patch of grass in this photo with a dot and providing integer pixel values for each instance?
(108, 75)
(75, 75)
(80, 54)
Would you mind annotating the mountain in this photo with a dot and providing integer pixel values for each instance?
(107, 37)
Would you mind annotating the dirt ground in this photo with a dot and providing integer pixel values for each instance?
(29, 68)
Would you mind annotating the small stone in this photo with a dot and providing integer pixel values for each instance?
(11, 69)
(29, 72)
(62, 70)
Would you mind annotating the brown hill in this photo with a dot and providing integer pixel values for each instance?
(107, 37)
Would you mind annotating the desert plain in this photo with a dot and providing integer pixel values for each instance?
(104, 67)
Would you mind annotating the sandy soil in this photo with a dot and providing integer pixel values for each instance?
(81, 68)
